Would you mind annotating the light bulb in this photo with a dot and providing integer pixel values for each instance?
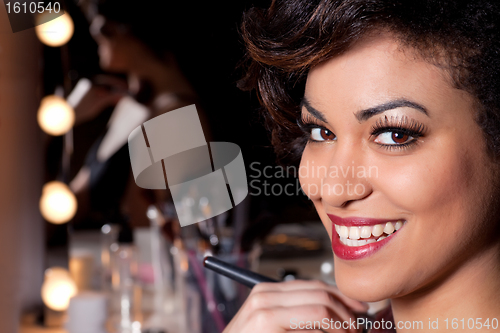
(58, 288)
(55, 116)
(55, 32)
(57, 204)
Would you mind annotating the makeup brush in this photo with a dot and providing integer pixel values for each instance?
(241, 275)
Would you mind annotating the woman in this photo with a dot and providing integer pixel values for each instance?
(162, 48)
(410, 91)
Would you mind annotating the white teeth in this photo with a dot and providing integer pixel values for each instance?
(354, 242)
(366, 232)
(378, 230)
(398, 225)
(354, 233)
(352, 236)
(389, 228)
(344, 232)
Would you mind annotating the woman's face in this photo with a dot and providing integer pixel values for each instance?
(392, 141)
(115, 47)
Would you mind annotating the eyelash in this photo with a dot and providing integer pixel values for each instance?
(308, 123)
(404, 125)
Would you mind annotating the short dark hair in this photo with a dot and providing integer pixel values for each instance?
(286, 40)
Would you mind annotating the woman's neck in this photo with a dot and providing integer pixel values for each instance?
(473, 291)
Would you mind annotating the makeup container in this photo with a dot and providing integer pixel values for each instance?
(125, 292)
(109, 236)
(162, 319)
(87, 312)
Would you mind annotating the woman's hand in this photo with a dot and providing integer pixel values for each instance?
(93, 99)
(279, 307)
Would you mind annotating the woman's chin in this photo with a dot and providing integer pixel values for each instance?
(362, 287)
(109, 66)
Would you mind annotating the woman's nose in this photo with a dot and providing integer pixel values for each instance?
(339, 179)
(96, 26)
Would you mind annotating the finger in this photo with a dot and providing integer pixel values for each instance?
(110, 80)
(271, 299)
(304, 317)
(108, 92)
(308, 285)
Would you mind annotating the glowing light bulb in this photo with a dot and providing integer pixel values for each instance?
(58, 288)
(56, 32)
(55, 116)
(57, 204)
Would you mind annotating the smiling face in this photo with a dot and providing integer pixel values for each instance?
(391, 140)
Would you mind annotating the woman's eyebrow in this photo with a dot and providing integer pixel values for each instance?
(398, 103)
(317, 114)
(366, 114)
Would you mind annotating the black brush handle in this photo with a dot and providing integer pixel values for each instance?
(241, 275)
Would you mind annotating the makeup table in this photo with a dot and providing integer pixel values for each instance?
(36, 329)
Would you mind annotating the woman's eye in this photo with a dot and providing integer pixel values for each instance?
(322, 134)
(393, 138)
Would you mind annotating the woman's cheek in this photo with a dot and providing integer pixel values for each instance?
(308, 178)
(104, 54)
(402, 186)
(424, 182)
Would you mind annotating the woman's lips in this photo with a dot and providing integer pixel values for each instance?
(358, 237)
(358, 221)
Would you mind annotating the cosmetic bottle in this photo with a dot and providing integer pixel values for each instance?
(165, 317)
(109, 236)
(125, 292)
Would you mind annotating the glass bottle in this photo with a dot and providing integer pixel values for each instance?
(125, 293)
